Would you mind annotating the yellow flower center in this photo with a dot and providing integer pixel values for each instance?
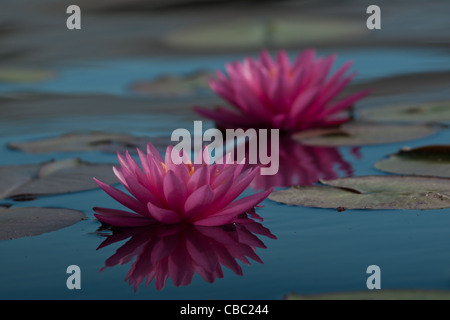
(274, 71)
(189, 166)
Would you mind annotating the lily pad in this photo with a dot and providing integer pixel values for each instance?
(23, 75)
(172, 85)
(87, 141)
(22, 182)
(390, 294)
(423, 161)
(32, 221)
(371, 192)
(438, 111)
(361, 133)
(254, 33)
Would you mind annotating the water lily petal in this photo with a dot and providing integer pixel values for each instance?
(163, 215)
(121, 218)
(122, 198)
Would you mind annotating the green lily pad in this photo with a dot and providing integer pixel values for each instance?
(171, 85)
(371, 192)
(23, 182)
(84, 141)
(423, 161)
(360, 134)
(382, 294)
(23, 75)
(438, 111)
(32, 221)
(252, 33)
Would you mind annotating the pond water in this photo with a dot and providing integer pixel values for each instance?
(115, 76)
(315, 250)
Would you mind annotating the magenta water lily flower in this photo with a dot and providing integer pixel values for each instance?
(280, 94)
(162, 191)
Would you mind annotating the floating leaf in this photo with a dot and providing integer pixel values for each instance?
(423, 161)
(403, 83)
(32, 221)
(371, 192)
(251, 33)
(424, 112)
(389, 294)
(360, 133)
(171, 85)
(89, 141)
(23, 75)
(23, 181)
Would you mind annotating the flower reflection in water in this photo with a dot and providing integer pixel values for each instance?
(179, 251)
(300, 164)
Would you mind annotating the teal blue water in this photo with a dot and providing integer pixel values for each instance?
(115, 76)
(316, 250)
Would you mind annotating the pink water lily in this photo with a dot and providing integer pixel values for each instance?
(277, 93)
(169, 193)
